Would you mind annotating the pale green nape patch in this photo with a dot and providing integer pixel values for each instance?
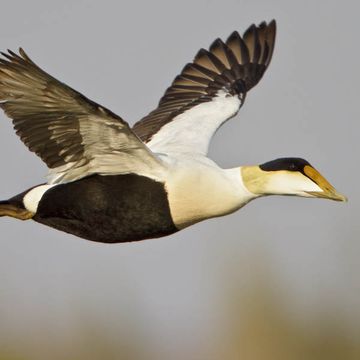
(279, 182)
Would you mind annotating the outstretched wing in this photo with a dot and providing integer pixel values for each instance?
(209, 91)
(74, 136)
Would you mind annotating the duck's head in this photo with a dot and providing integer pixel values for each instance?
(288, 176)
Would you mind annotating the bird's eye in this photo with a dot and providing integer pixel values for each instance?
(292, 167)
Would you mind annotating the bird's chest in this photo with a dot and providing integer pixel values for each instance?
(198, 195)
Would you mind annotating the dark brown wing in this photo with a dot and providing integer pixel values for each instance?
(73, 135)
(233, 68)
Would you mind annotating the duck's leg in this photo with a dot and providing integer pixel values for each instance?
(13, 210)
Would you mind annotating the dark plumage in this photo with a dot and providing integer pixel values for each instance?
(234, 66)
(106, 185)
(289, 164)
(108, 209)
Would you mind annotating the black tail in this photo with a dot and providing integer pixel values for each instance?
(4, 204)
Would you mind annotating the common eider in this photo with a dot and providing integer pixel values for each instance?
(112, 183)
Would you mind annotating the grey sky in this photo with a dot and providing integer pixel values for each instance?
(124, 55)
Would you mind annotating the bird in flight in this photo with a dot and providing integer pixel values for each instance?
(110, 183)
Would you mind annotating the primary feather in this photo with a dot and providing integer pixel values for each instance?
(73, 135)
(209, 91)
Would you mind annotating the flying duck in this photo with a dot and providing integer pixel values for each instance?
(111, 183)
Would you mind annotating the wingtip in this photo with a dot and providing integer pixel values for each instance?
(250, 30)
(215, 44)
(272, 22)
(12, 56)
(234, 36)
(23, 54)
(272, 25)
(263, 24)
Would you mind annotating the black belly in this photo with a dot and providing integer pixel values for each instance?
(108, 209)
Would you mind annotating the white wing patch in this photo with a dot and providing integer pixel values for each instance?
(192, 130)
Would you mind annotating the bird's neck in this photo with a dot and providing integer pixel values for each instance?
(254, 180)
(205, 192)
(239, 185)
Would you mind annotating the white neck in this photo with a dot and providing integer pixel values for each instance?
(240, 191)
(205, 192)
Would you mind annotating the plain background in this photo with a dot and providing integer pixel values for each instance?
(168, 296)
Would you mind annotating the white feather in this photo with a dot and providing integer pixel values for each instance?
(192, 130)
(32, 198)
(198, 189)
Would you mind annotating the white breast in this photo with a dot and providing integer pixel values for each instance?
(202, 192)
